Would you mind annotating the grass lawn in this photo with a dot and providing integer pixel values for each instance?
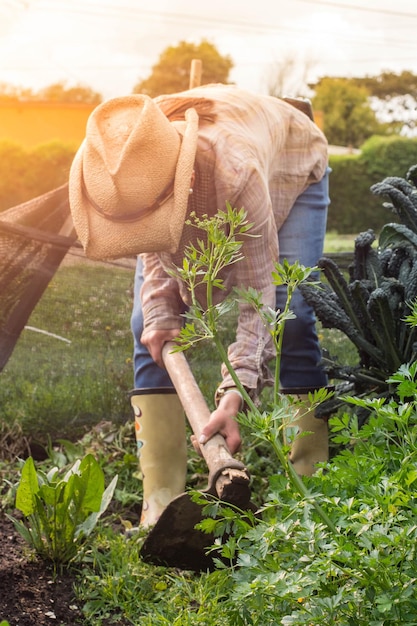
(339, 243)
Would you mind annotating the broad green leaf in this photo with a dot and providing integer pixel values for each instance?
(89, 490)
(21, 529)
(411, 477)
(28, 487)
(87, 526)
(396, 234)
(51, 494)
(50, 477)
(40, 522)
(65, 522)
(73, 470)
(70, 488)
(384, 603)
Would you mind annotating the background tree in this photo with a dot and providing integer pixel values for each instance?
(288, 77)
(57, 92)
(394, 99)
(172, 71)
(12, 92)
(348, 118)
(388, 84)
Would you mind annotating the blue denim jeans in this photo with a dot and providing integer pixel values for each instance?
(300, 238)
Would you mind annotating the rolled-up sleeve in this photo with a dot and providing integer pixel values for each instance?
(253, 348)
(161, 302)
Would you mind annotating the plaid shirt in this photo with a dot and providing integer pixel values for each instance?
(260, 154)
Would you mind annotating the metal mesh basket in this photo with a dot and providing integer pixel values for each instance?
(34, 238)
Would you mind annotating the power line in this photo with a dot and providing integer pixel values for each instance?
(349, 7)
(103, 10)
(236, 25)
(337, 5)
(107, 10)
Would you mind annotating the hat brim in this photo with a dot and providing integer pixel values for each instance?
(159, 231)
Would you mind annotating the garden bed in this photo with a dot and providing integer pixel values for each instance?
(29, 593)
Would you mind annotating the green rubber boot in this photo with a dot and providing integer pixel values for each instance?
(162, 449)
(313, 447)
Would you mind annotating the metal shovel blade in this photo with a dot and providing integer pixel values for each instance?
(175, 542)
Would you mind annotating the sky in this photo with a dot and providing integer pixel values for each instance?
(110, 45)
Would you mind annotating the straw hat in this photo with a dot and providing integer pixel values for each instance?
(130, 179)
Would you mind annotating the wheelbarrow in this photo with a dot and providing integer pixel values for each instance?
(175, 541)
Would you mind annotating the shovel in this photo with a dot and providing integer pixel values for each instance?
(174, 541)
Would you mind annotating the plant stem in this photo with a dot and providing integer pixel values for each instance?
(223, 354)
(298, 484)
(294, 478)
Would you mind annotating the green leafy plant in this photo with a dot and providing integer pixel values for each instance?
(372, 305)
(60, 512)
(292, 569)
(337, 547)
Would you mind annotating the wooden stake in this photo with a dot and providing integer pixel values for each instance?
(195, 73)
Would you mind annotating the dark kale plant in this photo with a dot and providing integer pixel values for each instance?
(371, 306)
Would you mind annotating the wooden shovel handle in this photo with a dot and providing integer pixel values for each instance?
(215, 452)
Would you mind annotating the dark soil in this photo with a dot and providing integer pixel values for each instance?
(30, 594)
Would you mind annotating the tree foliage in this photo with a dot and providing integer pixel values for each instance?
(353, 207)
(393, 98)
(57, 92)
(388, 84)
(348, 117)
(171, 73)
(28, 173)
(11, 92)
